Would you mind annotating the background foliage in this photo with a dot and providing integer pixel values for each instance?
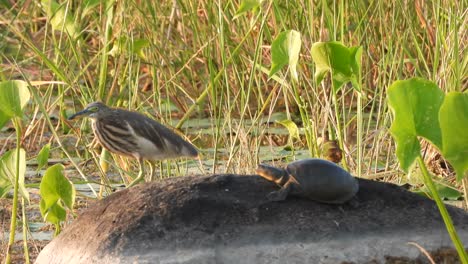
(203, 67)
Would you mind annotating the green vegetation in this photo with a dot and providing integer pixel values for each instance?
(14, 96)
(56, 193)
(417, 106)
(246, 81)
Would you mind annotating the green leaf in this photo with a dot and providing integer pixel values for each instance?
(8, 172)
(415, 104)
(14, 95)
(138, 46)
(129, 47)
(247, 5)
(55, 191)
(285, 51)
(60, 17)
(43, 157)
(5, 186)
(118, 47)
(4, 118)
(292, 128)
(53, 214)
(6, 4)
(54, 187)
(343, 63)
(445, 192)
(453, 117)
(355, 60)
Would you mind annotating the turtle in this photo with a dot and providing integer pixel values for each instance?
(315, 179)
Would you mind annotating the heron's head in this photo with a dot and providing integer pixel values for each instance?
(93, 110)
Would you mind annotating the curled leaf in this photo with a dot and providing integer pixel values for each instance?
(285, 51)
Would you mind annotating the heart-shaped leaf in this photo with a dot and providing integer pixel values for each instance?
(54, 187)
(415, 104)
(343, 63)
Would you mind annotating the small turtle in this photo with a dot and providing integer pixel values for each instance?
(316, 179)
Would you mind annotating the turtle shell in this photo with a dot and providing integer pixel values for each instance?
(322, 180)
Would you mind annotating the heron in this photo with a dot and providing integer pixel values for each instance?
(135, 135)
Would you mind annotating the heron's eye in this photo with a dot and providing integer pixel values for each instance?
(93, 109)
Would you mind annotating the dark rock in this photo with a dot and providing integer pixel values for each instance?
(218, 219)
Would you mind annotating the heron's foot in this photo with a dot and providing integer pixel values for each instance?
(136, 180)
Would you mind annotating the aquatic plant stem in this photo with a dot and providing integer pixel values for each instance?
(14, 209)
(25, 232)
(339, 132)
(105, 51)
(359, 135)
(443, 211)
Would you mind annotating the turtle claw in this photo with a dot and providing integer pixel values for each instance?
(281, 194)
(276, 196)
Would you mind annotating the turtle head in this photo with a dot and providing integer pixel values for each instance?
(276, 175)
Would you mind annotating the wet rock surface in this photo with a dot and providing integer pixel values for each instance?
(228, 219)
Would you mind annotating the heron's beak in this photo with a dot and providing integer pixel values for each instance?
(81, 113)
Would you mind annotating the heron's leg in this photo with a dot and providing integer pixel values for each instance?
(141, 174)
(151, 171)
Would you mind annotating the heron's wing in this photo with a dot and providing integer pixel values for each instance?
(161, 136)
(147, 128)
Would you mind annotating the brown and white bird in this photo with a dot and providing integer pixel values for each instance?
(135, 135)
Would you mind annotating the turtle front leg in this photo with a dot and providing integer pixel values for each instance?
(281, 194)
